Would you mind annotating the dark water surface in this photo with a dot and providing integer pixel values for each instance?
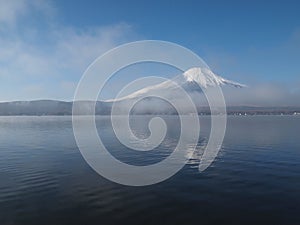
(254, 180)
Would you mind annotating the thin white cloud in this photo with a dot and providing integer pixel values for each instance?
(10, 10)
(13, 10)
(79, 48)
(50, 56)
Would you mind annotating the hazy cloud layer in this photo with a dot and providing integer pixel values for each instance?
(42, 59)
(263, 95)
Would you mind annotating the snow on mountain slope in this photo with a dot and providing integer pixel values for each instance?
(193, 80)
(204, 77)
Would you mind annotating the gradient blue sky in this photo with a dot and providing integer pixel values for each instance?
(46, 45)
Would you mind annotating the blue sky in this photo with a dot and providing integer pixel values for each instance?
(46, 45)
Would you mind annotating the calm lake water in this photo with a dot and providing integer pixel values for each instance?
(254, 180)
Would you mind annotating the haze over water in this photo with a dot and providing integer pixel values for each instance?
(254, 180)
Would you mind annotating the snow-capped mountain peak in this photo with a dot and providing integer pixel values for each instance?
(204, 77)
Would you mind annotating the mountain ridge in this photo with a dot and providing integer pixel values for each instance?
(58, 107)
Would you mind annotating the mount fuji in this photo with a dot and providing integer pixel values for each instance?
(192, 81)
